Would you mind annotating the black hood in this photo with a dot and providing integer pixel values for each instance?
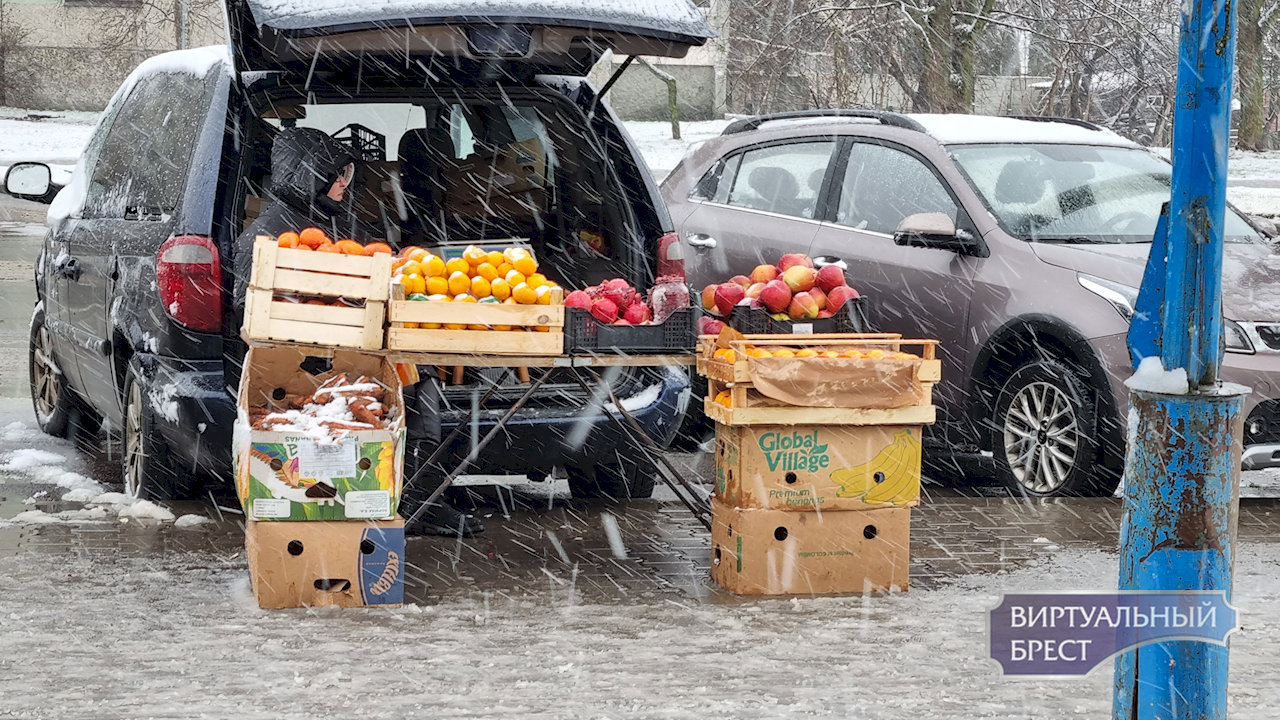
(304, 164)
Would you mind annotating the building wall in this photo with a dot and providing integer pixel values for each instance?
(641, 95)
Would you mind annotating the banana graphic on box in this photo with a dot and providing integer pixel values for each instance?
(898, 466)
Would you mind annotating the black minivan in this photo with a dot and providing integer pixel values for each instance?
(133, 326)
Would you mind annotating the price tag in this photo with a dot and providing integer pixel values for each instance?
(327, 461)
(801, 328)
(367, 504)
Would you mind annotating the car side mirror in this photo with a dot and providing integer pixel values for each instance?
(28, 180)
(1265, 226)
(932, 230)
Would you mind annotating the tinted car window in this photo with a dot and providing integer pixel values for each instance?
(144, 159)
(882, 186)
(784, 179)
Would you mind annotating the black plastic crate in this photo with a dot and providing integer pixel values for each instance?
(852, 318)
(583, 334)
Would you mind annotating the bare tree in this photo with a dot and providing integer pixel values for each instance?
(146, 25)
(1257, 24)
(14, 77)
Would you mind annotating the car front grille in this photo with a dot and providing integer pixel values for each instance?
(1263, 424)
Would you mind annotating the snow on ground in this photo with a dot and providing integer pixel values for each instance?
(55, 137)
(180, 635)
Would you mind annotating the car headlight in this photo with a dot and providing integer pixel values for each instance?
(1236, 338)
(1122, 297)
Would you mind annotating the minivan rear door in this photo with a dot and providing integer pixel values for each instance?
(565, 37)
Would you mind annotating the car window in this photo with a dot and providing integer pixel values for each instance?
(882, 185)
(717, 181)
(144, 158)
(784, 179)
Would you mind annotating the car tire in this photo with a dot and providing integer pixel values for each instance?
(1044, 434)
(51, 398)
(629, 479)
(146, 468)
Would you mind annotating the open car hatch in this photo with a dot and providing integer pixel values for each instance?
(515, 36)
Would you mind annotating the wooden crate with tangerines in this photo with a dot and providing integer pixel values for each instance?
(319, 298)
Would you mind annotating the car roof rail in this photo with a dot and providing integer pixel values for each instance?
(1050, 118)
(884, 117)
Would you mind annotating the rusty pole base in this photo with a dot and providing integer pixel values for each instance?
(1182, 501)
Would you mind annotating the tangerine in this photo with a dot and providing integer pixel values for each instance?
(287, 240)
(494, 257)
(486, 271)
(413, 283)
(456, 265)
(480, 287)
(329, 248)
(459, 282)
(432, 265)
(374, 248)
(474, 255)
(313, 237)
(524, 294)
(514, 278)
(411, 267)
(500, 288)
(350, 247)
(437, 285)
(525, 264)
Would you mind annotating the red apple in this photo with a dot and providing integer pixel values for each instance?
(709, 297)
(824, 314)
(742, 280)
(604, 310)
(819, 297)
(709, 326)
(803, 307)
(727, 295)
(830, 277)
(638, 314)
(776, 296)
(578, 299)
(764, 273)
(753, 291)
(792, 259)
(799, 278)
(838, 296)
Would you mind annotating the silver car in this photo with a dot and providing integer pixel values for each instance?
(1019, 243)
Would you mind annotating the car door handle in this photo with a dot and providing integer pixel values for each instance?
(823, 261)
(68, 268)
(702, 241)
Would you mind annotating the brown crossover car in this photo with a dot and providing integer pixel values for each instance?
(1019, 243)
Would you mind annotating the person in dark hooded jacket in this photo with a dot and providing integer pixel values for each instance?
(310, 173)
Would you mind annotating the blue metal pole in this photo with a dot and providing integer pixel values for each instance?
(1183, 467)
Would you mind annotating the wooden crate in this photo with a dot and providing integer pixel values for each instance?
(517, 341)
(749, 407)
(280, 273)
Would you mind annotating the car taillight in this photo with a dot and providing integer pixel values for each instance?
(670, 255)
(189, 276)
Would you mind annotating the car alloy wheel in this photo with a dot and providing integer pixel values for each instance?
(1041, 437)
(133, 451)
(46, 379)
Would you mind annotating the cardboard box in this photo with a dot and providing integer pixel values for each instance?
(353, 475)
(320, 564)
(774, 552)
(807, 467)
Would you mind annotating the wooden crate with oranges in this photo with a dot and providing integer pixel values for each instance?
(491, 302)
(825, 379)
(323, 294)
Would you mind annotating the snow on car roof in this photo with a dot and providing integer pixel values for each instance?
(988, 129)
(672, 17)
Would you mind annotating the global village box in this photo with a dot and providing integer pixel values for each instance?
(808, 467)
(319, 435)
(776, 552)
(340, 564)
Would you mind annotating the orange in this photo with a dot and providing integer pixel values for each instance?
(524, 294)
(504, 269)
(350, 247)
(313, 237)
(287, 240)
(474, 255)
(399, 263)
(512, 253)
(432, 265)
(514, 278)
(417, 254)
(374, 248)
(431, 326)
(410, 325)
(459, 282)
(413, 283)
(783, 353)
(807, 353)
(464, 298)
(544, 294)
(404, 251)
(525, 264)
(486, 271)
(500, 288)
(542, 328)
(480, 287)
(411, 267)
(455, 326)
(330, 248)
(437, 286)
(439, 298)
(536, 280)
(494, 257)
(456, 265)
